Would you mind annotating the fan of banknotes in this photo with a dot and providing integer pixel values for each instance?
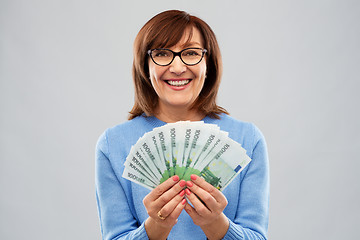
(185, 148)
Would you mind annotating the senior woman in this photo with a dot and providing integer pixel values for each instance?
(176, 71)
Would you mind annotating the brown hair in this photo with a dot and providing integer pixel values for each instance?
(165, 30)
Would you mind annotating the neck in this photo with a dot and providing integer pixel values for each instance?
(173, 114)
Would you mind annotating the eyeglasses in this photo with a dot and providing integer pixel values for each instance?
(164, 57)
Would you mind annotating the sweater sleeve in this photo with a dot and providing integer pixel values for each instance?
(116, 218)
(251, 220)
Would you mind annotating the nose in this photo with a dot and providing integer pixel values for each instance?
(177, 66)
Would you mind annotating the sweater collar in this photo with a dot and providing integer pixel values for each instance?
(155, 122)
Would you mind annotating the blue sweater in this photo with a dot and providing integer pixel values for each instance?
(120, 207)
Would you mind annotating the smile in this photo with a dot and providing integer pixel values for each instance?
(178, 83)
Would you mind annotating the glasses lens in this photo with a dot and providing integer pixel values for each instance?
(161, 56)
(192, 56)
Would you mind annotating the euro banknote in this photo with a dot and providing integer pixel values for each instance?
(185, 148)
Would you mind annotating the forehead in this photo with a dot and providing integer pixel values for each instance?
(191, 37)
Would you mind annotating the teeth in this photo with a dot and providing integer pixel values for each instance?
(178, 83)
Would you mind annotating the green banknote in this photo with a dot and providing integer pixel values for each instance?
(185, 148)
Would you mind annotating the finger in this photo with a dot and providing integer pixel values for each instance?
(219, 197)
(192, 213)
(159, 190)
(177, 211)
(199, 207)
(167, 196)
(205, 198)
(168, 208)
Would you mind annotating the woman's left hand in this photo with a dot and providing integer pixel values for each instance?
(209, 204)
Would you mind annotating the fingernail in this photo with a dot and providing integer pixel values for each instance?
(183, 201)
(175, 178)
(182, 193)
(189, 183)
(187, 191)
(193, 177)
(182, 183)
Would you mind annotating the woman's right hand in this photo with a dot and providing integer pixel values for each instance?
(164, 205)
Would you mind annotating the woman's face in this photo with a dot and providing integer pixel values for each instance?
(178, 85)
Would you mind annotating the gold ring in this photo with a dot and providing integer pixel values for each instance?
(160, 216)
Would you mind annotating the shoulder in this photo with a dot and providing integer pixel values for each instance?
(235, 126)
(124, 135)
(125, 128)
(246, 133)
(120, 133)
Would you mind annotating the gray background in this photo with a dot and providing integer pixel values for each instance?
(291, 67)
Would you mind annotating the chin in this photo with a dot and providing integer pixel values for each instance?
(180, 104)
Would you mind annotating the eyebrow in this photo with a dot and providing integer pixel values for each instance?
(189, 44)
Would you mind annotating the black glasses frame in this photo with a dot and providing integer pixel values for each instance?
(203, 51)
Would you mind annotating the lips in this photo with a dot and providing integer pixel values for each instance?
(178, 82)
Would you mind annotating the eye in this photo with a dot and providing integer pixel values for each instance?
(191, 53)
(161, 53)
